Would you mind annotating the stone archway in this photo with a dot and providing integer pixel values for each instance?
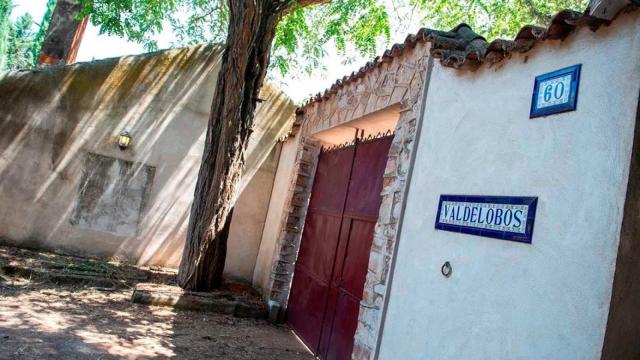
(396, 80)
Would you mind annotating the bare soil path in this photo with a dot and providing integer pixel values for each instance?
(43, 320)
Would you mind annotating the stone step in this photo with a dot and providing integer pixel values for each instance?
(216, 301)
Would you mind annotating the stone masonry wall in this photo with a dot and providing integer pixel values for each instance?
(392, 83)
(292, 225)
(386, 231)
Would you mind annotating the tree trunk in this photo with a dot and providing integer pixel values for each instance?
(252, 25)
(64, 34)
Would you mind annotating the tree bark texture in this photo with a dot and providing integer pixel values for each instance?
(64, 35)
(252, 25)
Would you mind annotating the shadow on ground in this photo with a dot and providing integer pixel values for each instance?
(43, 320)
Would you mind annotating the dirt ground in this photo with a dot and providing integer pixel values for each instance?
(42, 320)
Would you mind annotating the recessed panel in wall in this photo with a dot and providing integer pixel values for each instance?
(112, 194)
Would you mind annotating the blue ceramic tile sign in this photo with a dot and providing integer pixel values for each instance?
(556, 92)
(501, 217)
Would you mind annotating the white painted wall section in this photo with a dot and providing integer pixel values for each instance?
(507, 300)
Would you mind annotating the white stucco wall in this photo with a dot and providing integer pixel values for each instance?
(508, 300)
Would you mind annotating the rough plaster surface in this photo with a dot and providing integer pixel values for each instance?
(50, 119)
(111, 195)
(251, 207)
(507, 300)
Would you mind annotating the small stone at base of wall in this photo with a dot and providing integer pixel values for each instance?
(274, 312)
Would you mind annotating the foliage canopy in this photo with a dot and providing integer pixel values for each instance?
(20, 40)
(300, 38)
(303, 35)
(493, 18)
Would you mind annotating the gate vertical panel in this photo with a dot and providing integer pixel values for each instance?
(359, 220)
(312, 276)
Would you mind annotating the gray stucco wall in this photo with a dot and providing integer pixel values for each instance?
(508, 300)
(52, 119)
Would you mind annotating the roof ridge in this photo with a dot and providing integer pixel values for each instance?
(462, 47)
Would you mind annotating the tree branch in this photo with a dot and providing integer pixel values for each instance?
(305, 3)
(540, 16)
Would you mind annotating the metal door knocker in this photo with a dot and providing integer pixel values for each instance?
(446, 269)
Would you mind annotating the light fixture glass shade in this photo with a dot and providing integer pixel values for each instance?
(124, 140)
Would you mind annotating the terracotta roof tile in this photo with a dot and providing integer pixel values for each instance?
(463, 48)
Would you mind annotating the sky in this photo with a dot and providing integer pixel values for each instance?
(298, 86)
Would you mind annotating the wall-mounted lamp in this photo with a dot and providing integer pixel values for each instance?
(124, 140)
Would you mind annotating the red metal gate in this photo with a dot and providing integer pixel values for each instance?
(334, 252)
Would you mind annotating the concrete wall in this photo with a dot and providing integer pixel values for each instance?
(507, 300)
(52, 120)
(277, 207)
(249, 219)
